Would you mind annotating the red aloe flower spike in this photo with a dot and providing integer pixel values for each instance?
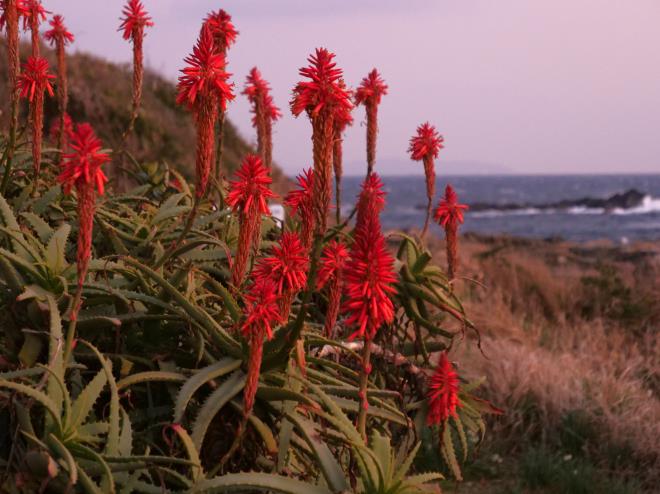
(442, 392)
(301, 203)
(369, 280)
(133, 23)
(371, 200)
(286, 267)
(82, 170)
(60, 37)
(223, 30)
(323, 99)
(265, 112)
(35, 15)
(58, 32)
(82, 166)
(17, 6)
(261, 309)
(369, 277)
(33, 83)
(203, 87)
(425, 147)
(261, 313)
(369, 94)
(342, 120)
(331, 274)
(449, 214)
(11, 11)
(248, 195)
(224, 35)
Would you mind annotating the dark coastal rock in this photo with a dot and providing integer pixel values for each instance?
(626, 200)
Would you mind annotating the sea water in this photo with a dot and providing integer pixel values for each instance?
(406, 203)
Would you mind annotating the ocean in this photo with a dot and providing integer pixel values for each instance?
(526, 206)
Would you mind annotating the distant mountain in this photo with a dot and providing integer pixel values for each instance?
(396, 166)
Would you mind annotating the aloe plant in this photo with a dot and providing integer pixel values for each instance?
(143, 389)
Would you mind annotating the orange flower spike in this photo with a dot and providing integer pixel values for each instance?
(449, 215)
(135, 20)
(343, 119)
(371, 200)
(82, 170)
(369, 93)
(369, 273)
(33, 83)
(260, 314)
(286, 267)
(331, 274)
(324, 99)
(223, 30)
(59, 36)
(248, 196)
(442, 392)
(425, 146)
(264, 113)
(301, 203)
(36, 14)
(204, 88)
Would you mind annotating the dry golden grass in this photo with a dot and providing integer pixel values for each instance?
(555, 345)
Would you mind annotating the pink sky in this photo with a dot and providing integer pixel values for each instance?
(562, 86)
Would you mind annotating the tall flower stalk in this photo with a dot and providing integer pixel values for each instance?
(204, 89)
(369, 93)
(442, 392)
(286, 267)
(36, 15)
(59, 36)
(82, 171)
(331, 275)
(33, 83)
(369, 278)
(12, 10)
(248, 196)
(371, 200)
(342, 120)
(301, 203)
(264, 113)
(425, 146)
(449, 215)
(133, 23)
(224, 35)
(323, 98)
(260, 314)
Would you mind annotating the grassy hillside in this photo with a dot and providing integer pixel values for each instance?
(100, 93)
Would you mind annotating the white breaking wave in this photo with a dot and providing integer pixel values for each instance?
(649, 205)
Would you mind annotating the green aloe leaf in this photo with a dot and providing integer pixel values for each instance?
(37, 395)
(332, 471)
(56, 250)
(83, 405)
(150, 376)
(201, 377)
(192, 451)
(66, 456)
(214, 403)
(112, 445)
(256, 482)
